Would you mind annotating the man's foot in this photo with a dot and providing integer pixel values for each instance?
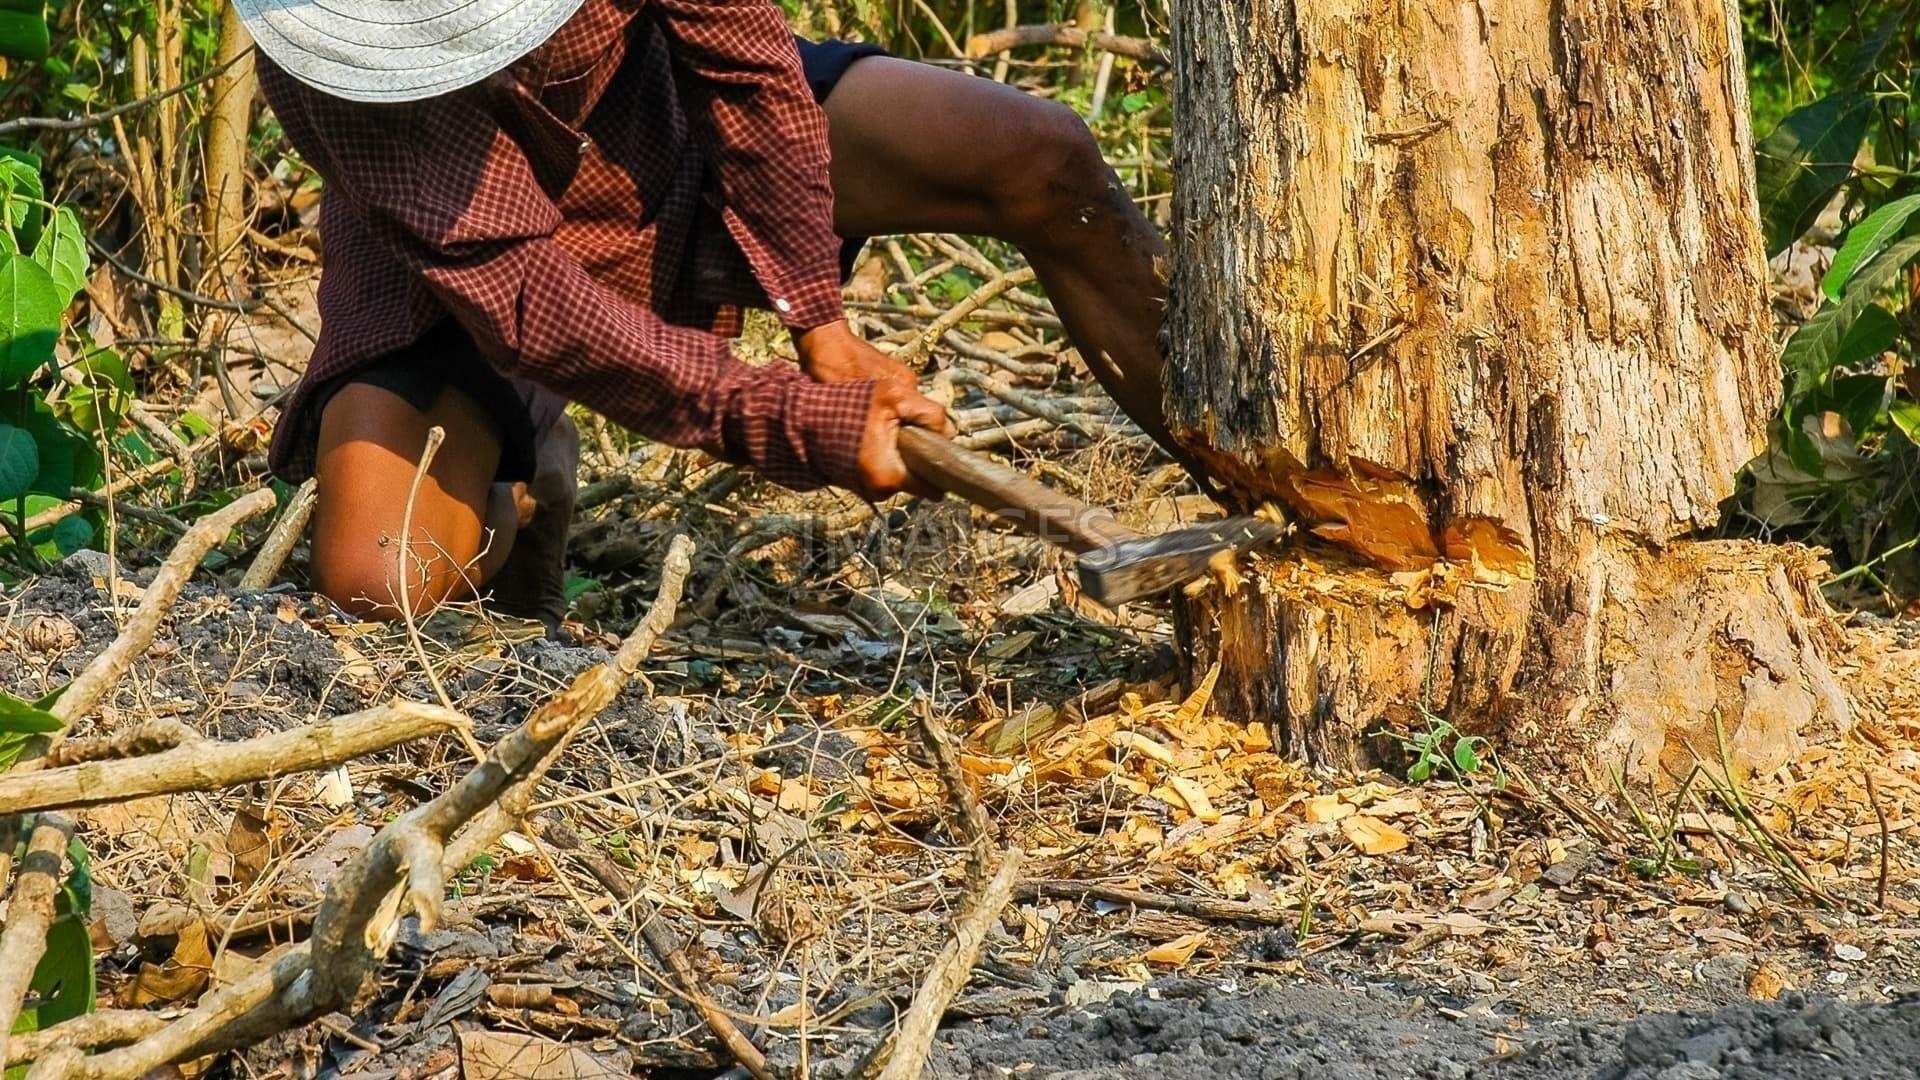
(532, 584)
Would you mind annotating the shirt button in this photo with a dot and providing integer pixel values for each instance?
(585, 145)
(782, 306)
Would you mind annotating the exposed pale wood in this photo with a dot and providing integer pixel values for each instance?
(1509, 252)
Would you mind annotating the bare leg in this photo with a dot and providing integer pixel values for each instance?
(917, 148)
(369, 449)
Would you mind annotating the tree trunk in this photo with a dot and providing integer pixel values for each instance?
(1457, 279)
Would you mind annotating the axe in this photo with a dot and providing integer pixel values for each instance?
(1117, 564)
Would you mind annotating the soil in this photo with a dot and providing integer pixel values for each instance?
(1348, 1005)
(1187, 1028)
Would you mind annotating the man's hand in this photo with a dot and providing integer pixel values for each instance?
(834, 354)
(882, 472)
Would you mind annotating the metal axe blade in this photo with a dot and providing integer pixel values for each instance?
(1117, 573)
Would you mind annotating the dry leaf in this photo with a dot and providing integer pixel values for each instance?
(249, 843)
(1177, 952)
(1373, 836)
(182, 977)
(500, 1055)
(1769, 982)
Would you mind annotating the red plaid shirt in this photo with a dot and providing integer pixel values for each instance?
(552, 211)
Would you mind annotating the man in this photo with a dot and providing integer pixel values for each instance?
(535, 201)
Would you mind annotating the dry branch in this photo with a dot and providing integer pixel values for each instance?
(30, 916)
(359, 916)
(949, 973)
(150, 736)
(109, 1027)
(280, 539)
(961, 311)
(1071, 37)
(207, 765)
(905, 1050)
(1199, 907)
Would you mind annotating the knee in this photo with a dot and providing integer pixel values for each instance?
(1055, 182)
(364, 578)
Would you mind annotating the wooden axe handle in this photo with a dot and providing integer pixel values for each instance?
(1014, 497)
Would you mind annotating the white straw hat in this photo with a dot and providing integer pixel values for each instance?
(399, 50)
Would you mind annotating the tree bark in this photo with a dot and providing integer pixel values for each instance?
(1444, 267)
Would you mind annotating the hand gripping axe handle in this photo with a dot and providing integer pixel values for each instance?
(1117, 563)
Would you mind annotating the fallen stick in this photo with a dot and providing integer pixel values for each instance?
(109, 1027)
(359, 916)
(913, 1040)
(1031, 404)
(30, 916)
(904, 1050)
(661, 944)
(989, 316)
(959, 313)
(1197, 906)
(980, 46)
(210, 765)
(280, 539)
(150, 736)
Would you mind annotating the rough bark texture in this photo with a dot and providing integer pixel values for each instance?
(1507, 250)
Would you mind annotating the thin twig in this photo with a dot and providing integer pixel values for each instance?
(81, 123)
(980, 46)
(1879, 812)
(660, 943)
(959, 313)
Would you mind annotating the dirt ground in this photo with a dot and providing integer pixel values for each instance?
(1512, 932)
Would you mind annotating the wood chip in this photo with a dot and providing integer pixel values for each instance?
(1373, 836)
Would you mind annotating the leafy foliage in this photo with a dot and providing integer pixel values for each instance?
(1842, 166)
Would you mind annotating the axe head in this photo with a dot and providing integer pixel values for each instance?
(1131, 569)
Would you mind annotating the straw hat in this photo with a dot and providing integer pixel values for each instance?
(399, 50)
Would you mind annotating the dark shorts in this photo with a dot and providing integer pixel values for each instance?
(446, 357)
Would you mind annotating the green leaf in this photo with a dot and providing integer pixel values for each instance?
(1873, 333)
(1905, 415)
(1867, 57)
(1420, 771)
(1804, 161)
(1861, 400)
(1866, 239)
(63, 981)
(19, 718)
(67, 459)
(70, 534)
(1815, 348)
(77, 893)
(30, 310)
(1464, 757)
(19, 461)
(23, 35)
(62, 251)
(21, 194)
